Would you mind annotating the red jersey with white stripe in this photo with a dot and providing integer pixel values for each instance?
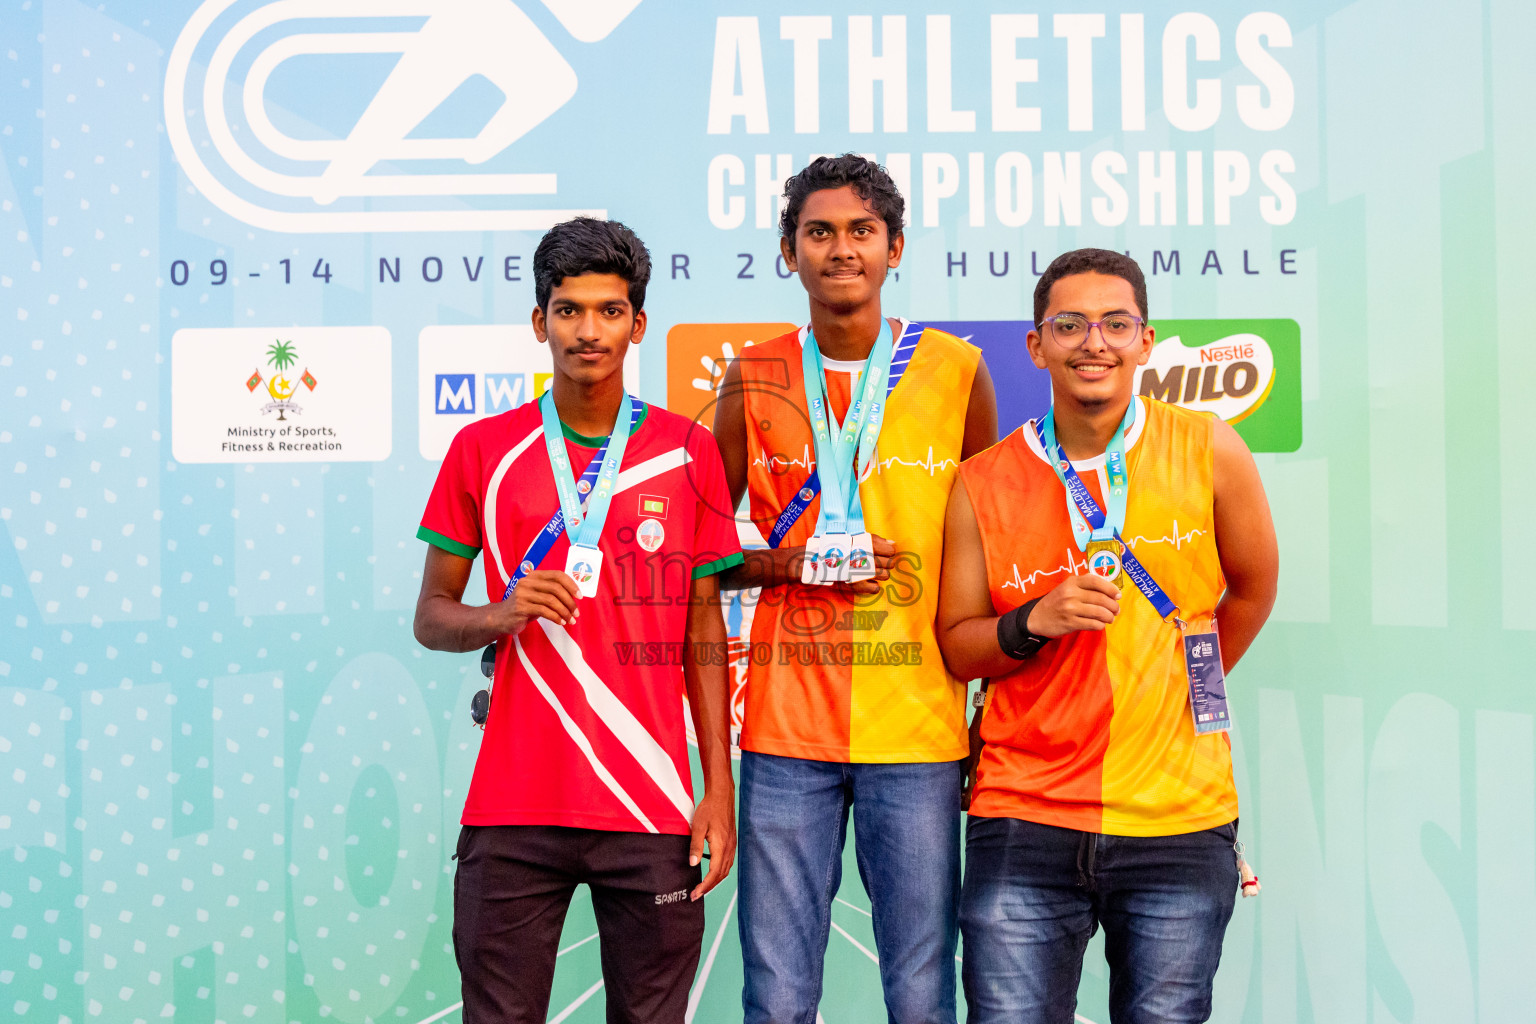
(587, 724)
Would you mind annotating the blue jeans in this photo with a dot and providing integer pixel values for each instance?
(794, 819)
(1034, 894)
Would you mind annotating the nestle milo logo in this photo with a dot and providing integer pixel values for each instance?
(1248, 372)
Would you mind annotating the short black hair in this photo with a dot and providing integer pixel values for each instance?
(869, 181)
(587, 245)
(1090, 261)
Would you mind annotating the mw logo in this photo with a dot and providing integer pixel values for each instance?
(456, 394)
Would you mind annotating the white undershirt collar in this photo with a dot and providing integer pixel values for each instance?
(1097, 462)
(853, 366)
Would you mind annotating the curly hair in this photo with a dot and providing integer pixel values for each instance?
(1090, 261)
(586, 245)
(869, 181)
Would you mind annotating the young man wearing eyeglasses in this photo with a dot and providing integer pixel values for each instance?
(1104, 566)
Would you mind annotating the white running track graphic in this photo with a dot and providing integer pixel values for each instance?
(458, 40)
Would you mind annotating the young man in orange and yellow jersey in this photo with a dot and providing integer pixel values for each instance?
(848, 433)
(1104, 567)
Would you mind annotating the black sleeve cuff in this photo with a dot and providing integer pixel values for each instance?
(1013, 634)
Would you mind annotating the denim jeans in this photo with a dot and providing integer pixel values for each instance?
(1034, 894)
(794, 818)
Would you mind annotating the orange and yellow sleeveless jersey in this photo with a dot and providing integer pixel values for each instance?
(1094, 732)
(832, 679)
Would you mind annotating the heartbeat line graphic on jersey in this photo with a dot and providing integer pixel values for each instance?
(1073, 567)
(1177, 539)
(805, 462)
(928, 463)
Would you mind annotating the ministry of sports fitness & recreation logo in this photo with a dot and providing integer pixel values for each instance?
(281, 357)
(363, 177)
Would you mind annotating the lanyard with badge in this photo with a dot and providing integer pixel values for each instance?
(480, 704)
(1098, 535)
(584, 562)
(842, 551)
(546, 537)
(901, 357)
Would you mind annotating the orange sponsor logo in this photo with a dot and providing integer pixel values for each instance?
(697, 355)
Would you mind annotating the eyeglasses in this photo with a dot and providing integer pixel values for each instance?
(1069, 330)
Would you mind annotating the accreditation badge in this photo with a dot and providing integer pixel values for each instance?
(1104, 561)
(1207, 683)
(584, 564)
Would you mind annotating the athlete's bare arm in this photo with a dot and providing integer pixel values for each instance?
(769, 567)
(967, 622)
(761, 567)
(980, 414)
(445, 623)
(714, 820)
(1245, 542)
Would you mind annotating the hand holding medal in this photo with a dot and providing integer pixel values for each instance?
(1104, 562)
(1110, 561)
(1085, 602)
(860, 562)
(543, 594)
(584, 562)
(884, 552)
(842, 551)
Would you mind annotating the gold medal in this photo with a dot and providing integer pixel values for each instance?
(1104, 561)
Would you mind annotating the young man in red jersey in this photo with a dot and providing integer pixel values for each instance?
(1104, 566)
(602, 525)
(853, 426)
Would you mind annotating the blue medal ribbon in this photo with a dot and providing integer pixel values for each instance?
(1089, 522)
(545, 539)
(584, 528)
(1098, 525)
(845, 449)
(856, 436)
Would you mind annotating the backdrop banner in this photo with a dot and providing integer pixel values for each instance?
(259, 261)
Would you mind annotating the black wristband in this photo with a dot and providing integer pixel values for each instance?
(1013, 634)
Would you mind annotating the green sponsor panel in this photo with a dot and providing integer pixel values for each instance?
(1248, 372)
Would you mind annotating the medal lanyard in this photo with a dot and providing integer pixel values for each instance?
(585, 529)
(1090, 521)
(845, 449)
(1096, 525)
(545, 539)
(905, 348)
